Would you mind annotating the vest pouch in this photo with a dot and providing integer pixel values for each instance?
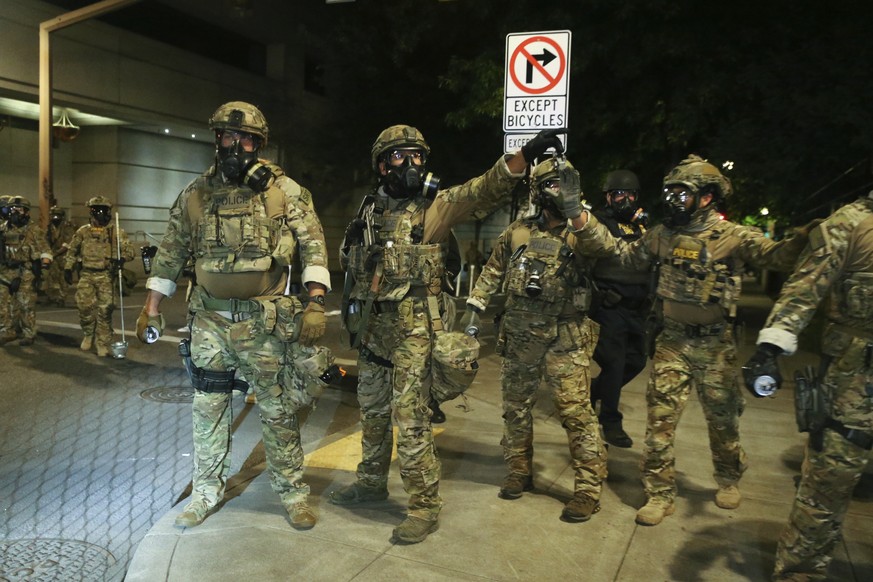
(858, 296)
(582, 298)
(281, 316)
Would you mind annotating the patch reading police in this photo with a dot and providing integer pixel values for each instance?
(545, 247)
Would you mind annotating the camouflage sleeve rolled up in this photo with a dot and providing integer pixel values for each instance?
(175, 248)
(493, 273)
(832, 247)
(481, 194)
(305, 227)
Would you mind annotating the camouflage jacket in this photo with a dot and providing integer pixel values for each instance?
(413, 235)
(701, 268)
(528, 256)
(59, 236)
(837, 264)
(239, 241)
(95, 246)
(23, 245)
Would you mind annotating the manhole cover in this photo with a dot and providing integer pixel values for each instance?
(38, 559)
(171, 394)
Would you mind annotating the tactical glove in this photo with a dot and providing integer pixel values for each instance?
(571, 191)
(355, 232)
(761, 373)
(469, 323)
(68, 276)
(14, 285)
(117, 264)
(536, 147)
(149, 327)
(312, 324)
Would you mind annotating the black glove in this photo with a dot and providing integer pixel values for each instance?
(469, 323)
(117, 264)
(68, 276)
(760, 368)
(355, 232)
(14, 285)
(536, 147)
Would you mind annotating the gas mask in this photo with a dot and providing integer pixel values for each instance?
(676, 212)
(101, 215)
(626, 208)
(243, 167)
(56, 219)
(19, 216)
(408, 179)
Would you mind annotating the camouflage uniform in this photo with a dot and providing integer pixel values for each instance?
(95, 247)
(701, 267)
(837, 263)
(242, 243)
(23, 248)
(395, 356)
(54, 285)
(545, 337)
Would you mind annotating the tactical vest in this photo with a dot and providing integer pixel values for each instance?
(98, 246)
(16, 250)
(543, 259)
(690, 273)
(236, 231)
(407, 264)
(854, 290)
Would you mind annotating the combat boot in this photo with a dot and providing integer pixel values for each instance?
(25, 341)
(614, 434)
(194, 514)
(87, 343)
(414, 530)
(437, 416)
(302, 516)
(102, 351)
(579, 509)
(728, 497)
(357, 492)
(654, 511)
(514, 485)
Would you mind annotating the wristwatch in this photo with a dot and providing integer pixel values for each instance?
(318, 299)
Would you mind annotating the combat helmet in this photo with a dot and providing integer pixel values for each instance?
(700, 176)
(99, 201)
(18, 201)
(454, 365)
(240, 116)
(397, 137)
(621, 180)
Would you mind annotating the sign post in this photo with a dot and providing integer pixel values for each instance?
(536, 87)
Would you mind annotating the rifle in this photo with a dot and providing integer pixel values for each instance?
(811, 402)
(362, 230)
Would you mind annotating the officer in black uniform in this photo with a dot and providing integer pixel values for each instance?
(621, 309)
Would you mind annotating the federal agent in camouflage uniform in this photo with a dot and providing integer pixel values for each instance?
(623, 299)
(701, 261)
(59, 234)
(95, 246)
(24, 253)
(240, 223)
(544, 335)
(395, 283)
(837, 264)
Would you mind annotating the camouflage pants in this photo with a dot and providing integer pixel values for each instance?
(53, 282)
(17, 312)
(536, 349)
(94, 298)
(218, 344)
(709, 364)
(404, 338)
(828, 477)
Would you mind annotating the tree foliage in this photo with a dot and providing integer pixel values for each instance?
(779, 88)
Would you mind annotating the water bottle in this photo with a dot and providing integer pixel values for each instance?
(765, 385)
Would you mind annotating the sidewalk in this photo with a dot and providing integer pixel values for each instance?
(482, 537)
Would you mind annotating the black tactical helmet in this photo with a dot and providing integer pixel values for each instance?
(621, 180)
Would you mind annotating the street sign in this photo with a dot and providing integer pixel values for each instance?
(536, 87)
